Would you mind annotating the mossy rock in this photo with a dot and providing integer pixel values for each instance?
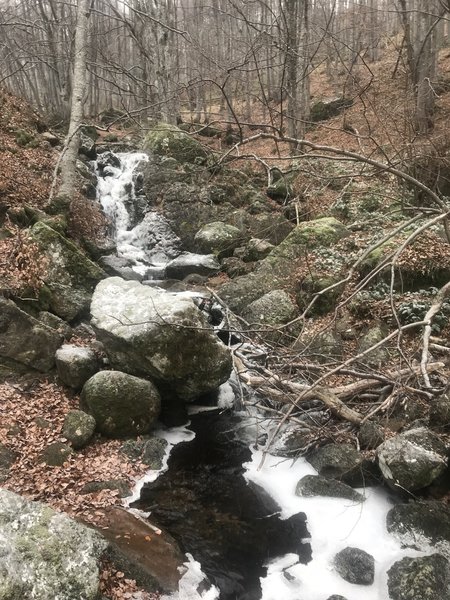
(78, 428)
(313, 284)
(169, 140)
(56, 454)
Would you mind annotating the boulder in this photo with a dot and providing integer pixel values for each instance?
(218, 238)
(75, 365)
(121, 404)
(412, 460)
(153, 333)
(56, 454)
(373, 336)
(274, 308)
(118, 266)
(256, 249)
(46, 554)
(26, 340)
(440, 412)
(277, 270)
(189, 263)
(169, 140)
(421, 578)
(370, 435)
(55, 323)
(341, 462)
(355, 566)
(317, 284)
(421, 525)
(316, 485)
(149, 451)
(120, 485)
(78, 428)
(69, 276)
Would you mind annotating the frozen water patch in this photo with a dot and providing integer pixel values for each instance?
(333, 524)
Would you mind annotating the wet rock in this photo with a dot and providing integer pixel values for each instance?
(56, 454)
(154, 333)
(274, 308)
(105, 160)
(421, 525)
(341, 462)
(424, 578)
(218, 238)
(118, 266)
(412, 460)
(78, 428)
(169, 140)
(316, 485)
(189, 263)
(370, 435)
(75, 365)
(26, 340)
(121, 404)
(69, 276)
(87, 147)
(153, 452)
(45, 554)
(355, 566)
(7, 459)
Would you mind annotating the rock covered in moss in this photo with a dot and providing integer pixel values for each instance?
(56, 454)
(157, 334)
(420, 578)
(75, 365)
(25, 339)
(46, 554)
(422, 525)
(316, 485)
(355, 566)
(169, 140)
(7, 459)
(218, 238)
(413, 459)
(78, 428)
(69, 276)
(121, 404)
(339, 461)
(274, 308)
(318, 284)
(56, 323)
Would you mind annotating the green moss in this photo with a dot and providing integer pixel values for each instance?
(169, 140)
(23, 138)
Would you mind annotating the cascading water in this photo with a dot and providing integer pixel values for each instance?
(247, 550)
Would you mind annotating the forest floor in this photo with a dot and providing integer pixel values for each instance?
(32, 410)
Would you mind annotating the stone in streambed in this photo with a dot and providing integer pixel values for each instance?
(122, 405)
(355, 566)
(315, 485)
(75, 365)
(421, 578)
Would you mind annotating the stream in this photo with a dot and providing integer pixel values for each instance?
(236, 516)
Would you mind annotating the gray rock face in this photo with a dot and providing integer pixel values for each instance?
(355, 566)
(153, 333)
(412, 460)
(78, 428)
(70, 277)
(189, 263)
(218, 238)
(25, 339)
(421, 525)
(75, 365)
(339, 461)
(315, 485)
(121, 404)
(44, 554)
(56, 323)
(423, 578)
(274, 308)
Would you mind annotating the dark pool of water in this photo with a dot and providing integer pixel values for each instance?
(231, 527)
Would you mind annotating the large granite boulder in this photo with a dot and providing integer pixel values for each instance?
(421, 578)
(121, 404)
(45, 554)
(218, 238)
(69, 276)
(26, 340)
(277, 269)
(421, 525)
(169, 140)
(412, 460)
(147, 332)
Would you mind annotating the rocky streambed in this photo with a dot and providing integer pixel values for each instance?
(259, 525)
